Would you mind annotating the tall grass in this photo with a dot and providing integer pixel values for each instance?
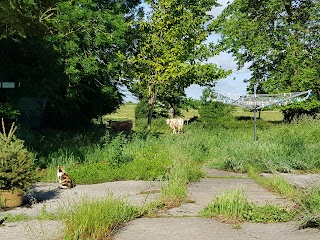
(95, 155)
(97, 219)
(281, 147)
(232, 206)
(182, 171)
(310, 214)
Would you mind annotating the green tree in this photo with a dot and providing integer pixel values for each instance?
(280, 40)
(171, 52)
(22, 18)
(70, 57)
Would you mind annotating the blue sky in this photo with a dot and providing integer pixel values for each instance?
(233, 84)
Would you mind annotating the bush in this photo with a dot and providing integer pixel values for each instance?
(8, 113)
(215, 113)
(16, 163)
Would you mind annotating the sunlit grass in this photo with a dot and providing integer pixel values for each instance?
(97, 219)
(267, 115)
(232, 206)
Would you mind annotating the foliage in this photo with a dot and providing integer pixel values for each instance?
(280, 41)
(17, 171)
(21, 18)
(277, 184)
(16, 217)
(160, 109)
(8, 113)
(70, 58)
(171, 51)
(306, 201)
(312, 200)
(97, 219)
(233, 206)
(89, 152)
(215, 114)
(189, 103)
(83, 34)
(142, 109)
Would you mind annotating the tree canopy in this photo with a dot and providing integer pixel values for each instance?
(171, 52)
(67, 53)
(280, 39)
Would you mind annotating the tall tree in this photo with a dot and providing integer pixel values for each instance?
(71, 55)
(22, 18)
(281, 41)
(172, 52)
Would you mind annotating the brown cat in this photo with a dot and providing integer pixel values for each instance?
(64, 179)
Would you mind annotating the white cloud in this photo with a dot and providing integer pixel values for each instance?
(225, 61)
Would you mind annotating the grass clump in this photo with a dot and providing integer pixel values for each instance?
(310, 214)
(180, 174)
(16, 217)
(232, 207)
(277, 184)
(97, 219)
(175, 191)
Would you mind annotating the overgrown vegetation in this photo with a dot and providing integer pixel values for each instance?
(183, 171)
(97, 219)
(95, 155)
(232, 206)
(90, 155)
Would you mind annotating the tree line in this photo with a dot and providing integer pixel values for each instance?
(72, 56)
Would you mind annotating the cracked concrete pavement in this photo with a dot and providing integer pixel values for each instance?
(174, 224)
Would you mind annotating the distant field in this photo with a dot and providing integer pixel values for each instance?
(127, 112)
(272, 115)
(124, 112)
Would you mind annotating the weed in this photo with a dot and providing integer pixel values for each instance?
(232, 207)
(16, 217)
(276, 183)
(310, 214)
(97, 219)
(44, 214)
(180, 174)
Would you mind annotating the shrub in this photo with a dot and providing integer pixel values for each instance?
(215, 113)
(8, 113)
(16, 163)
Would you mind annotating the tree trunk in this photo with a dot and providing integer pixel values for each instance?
(151, 101)
(171, 112)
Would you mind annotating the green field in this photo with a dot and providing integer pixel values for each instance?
(127, 112)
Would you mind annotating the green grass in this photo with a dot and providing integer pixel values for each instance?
(97, 219)
(232, 206)
(278, 184)
(16, 217)
(96, 155)
(310, 213)
(92, 158)
(179, 175)
(272, 115)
